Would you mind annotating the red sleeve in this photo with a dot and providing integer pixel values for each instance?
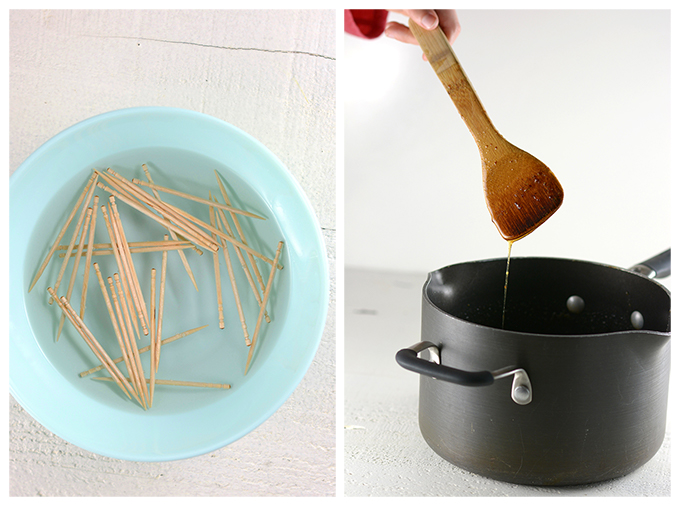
(365, 23)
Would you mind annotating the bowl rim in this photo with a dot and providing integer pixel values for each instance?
(321, 264)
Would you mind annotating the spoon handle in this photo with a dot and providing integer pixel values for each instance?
(439, 53)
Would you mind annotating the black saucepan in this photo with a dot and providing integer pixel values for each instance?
(572, 389)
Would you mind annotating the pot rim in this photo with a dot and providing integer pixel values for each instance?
(543, 335)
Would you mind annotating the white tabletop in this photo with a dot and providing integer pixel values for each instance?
(385, 454)
(269, 73)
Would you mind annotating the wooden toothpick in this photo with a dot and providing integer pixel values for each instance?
(172, 233)
(165, 210)
(131, 273)
(88, 257)
(264, 303)
(218, 282)
(244, 266)
(147, 348)
(116, 328)
(92, 343)
(224, 235)
(128, 339)
(161, 305)
(133, 343)
(195, 199)
(234, 288)
(76, 262)
(225, 386)
(117, 255)
(152, 325)
(152, 247)
(168, 224)
(241, 235)
(72, 243)
(88, 185)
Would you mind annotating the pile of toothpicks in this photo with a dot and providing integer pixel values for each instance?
(130, 315)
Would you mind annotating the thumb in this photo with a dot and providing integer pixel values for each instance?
(427, 19)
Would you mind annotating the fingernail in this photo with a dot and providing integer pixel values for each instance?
(429, 21)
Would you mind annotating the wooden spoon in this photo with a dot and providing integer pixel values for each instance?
(520, 191)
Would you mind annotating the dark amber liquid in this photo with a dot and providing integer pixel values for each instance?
(505, 289)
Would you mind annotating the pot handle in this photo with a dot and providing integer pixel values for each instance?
(521, 391)
(656, 267)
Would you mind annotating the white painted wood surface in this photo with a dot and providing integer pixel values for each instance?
(384, 452)
(269, 73)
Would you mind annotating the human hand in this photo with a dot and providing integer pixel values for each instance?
(447, 19)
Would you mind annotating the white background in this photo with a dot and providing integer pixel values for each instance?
(585, 91)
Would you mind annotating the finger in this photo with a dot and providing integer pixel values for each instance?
(399, 32)
(448, 21)
(426, 18)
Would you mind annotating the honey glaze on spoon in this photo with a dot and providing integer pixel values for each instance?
(521, 192)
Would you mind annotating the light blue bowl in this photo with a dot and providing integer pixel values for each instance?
(182, 150)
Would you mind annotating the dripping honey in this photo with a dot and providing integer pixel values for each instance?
(505, 288)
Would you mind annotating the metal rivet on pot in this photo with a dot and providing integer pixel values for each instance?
(575, 304)
(521, 394)
(637, 320)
